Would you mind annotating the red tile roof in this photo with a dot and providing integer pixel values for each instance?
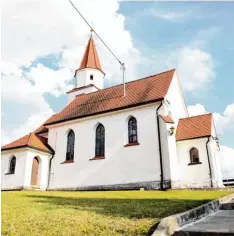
(167, 119)
(147, 90)
(30, 140)
(194, 127)
(90, 58)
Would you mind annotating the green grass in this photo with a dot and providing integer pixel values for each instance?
(94, 213)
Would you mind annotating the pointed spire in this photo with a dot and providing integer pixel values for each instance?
(90, 58)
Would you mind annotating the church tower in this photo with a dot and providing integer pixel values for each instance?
(89, 76)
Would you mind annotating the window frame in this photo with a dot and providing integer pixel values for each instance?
(70, 146)
(132, 131)
(194, 156)
(11, 170)
(100, 141)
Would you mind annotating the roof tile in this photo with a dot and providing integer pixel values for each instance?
(90, 58)
(194, 127)
(30, 140)
(150, 89)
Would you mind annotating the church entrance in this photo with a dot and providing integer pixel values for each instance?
(35, 172)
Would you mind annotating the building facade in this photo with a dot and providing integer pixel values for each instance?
(104, 139)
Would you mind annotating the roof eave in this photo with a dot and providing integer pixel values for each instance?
(28, 146)
(206, 136)
(107, 111)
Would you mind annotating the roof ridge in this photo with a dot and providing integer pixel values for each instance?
(29, 137)
(147, 77)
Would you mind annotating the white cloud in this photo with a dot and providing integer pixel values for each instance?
(197, 109)
(226, 158)
(226, 120)
(34, 29)
(31, 123)
(50, 81)
(195, 68)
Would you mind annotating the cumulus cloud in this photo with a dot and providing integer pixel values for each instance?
(226, 120)
(226, 157)
(195, 68)
(35, 29)
(197, 109)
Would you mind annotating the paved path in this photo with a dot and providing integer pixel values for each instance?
(219, 223)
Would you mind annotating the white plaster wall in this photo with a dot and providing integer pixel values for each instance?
(217, 179)
(15, 180)
(83, 78)
(72, 95)
(121, 164)
(165, 150)
(175, 97)
(191, 175)
(22, 176)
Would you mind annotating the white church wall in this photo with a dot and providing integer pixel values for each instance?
(215, 162)
(175, 97)
(195, 176)
(172, 150)
(16, 180)
(83, 78)
(122, 165)
(165, 150)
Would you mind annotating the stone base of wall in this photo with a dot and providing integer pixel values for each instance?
(149, 185)
(180, 184)
(16, 188)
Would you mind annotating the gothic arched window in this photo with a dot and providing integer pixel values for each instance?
(132, 130)
(12, 165)
(194, 155)
(100, 141)
(70, 146)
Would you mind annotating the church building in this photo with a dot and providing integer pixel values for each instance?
(107, 140)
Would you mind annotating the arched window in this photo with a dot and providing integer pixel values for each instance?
(100, 141)
(12, 165)
(194, 155)
(70, 146)
(132, 130)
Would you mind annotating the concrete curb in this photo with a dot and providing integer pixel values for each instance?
(170, 224)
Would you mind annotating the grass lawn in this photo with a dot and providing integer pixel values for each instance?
(94, 213)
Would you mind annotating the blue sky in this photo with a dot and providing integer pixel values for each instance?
(211, 22)
(40, 54)
(151, 34)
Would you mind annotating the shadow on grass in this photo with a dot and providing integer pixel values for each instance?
(126, 208)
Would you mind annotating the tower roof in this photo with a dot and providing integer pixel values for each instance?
(90, 58)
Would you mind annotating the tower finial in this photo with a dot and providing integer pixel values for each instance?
(91, 32)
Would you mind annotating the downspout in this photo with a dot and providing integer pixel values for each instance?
(208, 157)
(49, 172)
(50, 164)
(160, 148)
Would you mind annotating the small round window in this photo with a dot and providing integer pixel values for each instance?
(91, 77)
